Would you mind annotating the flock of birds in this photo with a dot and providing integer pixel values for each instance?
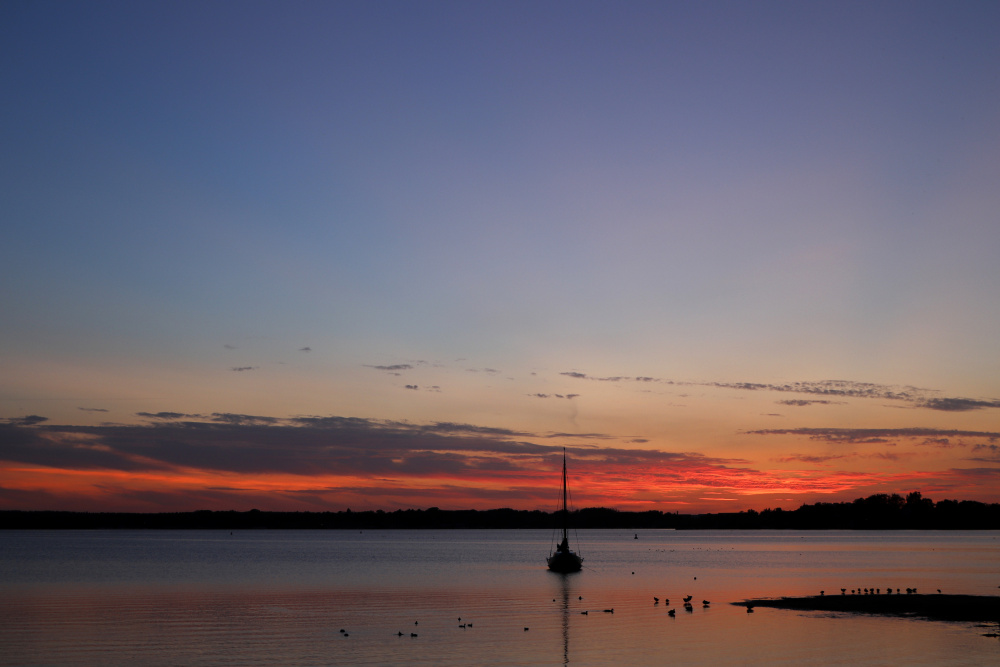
(874, 591)
(688, 605)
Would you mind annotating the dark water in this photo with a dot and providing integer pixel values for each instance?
(282, 598)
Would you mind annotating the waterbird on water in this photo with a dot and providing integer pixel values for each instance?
(672, 612)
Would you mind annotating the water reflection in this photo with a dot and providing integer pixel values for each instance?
(564, 589)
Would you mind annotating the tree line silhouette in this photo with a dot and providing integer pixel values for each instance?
(878, 512)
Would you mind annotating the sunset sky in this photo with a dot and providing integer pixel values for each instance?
(381, 255)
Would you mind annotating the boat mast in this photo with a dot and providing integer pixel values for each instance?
(565, 509)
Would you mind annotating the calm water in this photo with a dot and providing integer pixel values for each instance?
(282, 598)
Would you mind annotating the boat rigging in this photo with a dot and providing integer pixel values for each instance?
(563, 559)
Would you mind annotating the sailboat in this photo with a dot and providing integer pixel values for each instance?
(563, 559)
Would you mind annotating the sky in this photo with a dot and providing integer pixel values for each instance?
(382, 255)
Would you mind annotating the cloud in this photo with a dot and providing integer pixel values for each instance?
(391, 368)
(240, 369)
(93, 409)
(957, 404)
(566, 396)
(916, 396)
(412, 386)
(846, 388)
(806, 458)
(253, 444)
(167, 415)
(802, 402)
(229, 347)
(29, 420)
(879, 435)
(615, 378)
(242, 420)
(305, 349)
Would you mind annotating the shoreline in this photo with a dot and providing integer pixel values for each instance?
(933, 606)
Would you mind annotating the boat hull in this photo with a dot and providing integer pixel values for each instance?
(565, 561)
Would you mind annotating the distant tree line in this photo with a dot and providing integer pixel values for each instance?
(878, 512)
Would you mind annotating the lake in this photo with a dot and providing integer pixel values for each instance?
(355, 598)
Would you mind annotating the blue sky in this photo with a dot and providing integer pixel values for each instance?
(495, 195)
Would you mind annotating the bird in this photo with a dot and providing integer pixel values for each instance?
(609, 611)
(672, 612)
(666, 600)
(656, 600)
(399, 634)
(413, 634)
(461, 625)
(687, 598)
(526, 629)
(706, 602)
(584, 612)
(822, 592)
(749, 609)
(843, 591)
